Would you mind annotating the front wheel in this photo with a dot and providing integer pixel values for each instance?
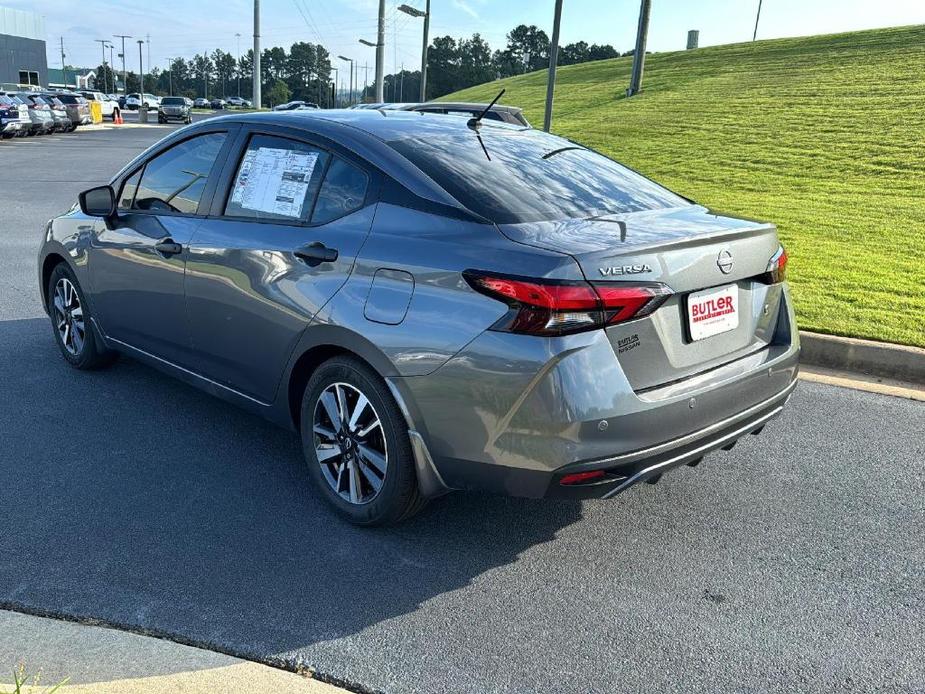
(355, 441)
(70, 318)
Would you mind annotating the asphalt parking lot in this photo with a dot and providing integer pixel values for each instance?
(793, 563)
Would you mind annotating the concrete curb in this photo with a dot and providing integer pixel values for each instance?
(897, 362)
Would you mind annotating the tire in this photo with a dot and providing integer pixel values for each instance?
(368, 474)
(75, 337)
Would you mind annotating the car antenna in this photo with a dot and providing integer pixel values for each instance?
(477, 121)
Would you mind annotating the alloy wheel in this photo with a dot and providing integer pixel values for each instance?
(69, 316)
(350, 443)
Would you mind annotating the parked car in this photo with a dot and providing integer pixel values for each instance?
(293, 105)
(134, 101)
(29, 124)
(41, 120)
(78, 110)
(506, 114)
(238, 102)
(63, 124)
(440, 305)
(12, 121)
(201, 103)
(174, 108)
(217, 104)
(108, 105)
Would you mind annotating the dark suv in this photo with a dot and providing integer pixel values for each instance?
(174, 107)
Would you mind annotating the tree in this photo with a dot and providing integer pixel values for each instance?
(105, 78)
(300, 68)
(202, 73)
(277, 94)
(224, 64)
(132, 83)
(528, 48)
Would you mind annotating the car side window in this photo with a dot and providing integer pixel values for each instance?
(343, 191)
(174, 180)
(277, 179)
(127, 196)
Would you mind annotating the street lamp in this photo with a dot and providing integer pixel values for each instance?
(414, 12)
(349, 60)
(237, 68)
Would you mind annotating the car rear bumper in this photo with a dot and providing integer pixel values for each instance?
(512, 414)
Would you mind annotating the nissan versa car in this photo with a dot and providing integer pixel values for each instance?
(434, 303)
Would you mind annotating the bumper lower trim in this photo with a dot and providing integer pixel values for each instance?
(723, 441)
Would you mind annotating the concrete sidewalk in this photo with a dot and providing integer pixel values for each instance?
(98, 660)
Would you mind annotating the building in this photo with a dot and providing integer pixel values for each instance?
(76, 78)
(22, 48)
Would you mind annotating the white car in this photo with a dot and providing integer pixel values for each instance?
(133, 101)
(108, 105)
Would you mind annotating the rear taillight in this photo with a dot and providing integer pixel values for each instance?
(777, 267)
(561, 307)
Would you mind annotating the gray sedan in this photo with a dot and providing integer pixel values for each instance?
(434, 304)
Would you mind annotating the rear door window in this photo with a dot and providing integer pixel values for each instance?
(277, 179)
(343, 191)
(174, 180)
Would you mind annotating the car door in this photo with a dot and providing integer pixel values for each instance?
(281, 240)
(138, 260)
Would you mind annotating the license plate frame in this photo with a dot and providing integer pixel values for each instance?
(713, 311)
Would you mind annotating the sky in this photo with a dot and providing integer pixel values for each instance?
(183, 28)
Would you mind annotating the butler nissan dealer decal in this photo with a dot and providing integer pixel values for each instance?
(713, 311)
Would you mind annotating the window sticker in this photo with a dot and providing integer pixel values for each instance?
(274, 180)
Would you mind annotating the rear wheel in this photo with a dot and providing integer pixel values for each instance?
(70, 318)
(355, 441)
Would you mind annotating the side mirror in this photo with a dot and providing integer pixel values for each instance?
(98, 202)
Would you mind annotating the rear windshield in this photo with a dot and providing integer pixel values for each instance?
(529, 176)
(6, 101)
(70, 99)
(173, 101)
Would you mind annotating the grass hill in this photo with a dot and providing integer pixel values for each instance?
(824, 135)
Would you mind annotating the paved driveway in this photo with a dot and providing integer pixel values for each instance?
(794, 562)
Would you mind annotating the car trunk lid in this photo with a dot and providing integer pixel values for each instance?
(690, 249)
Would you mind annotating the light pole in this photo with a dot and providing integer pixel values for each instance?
(141, 72)
(256, 66)
(380, 52)
(237, 68)
(414, 12)
(553, 58)
(170, 75)
(639, 55)
(122, 55)
(349, 60)
(757, 17)
(378, 84)
(334, 86)
(103, 43)
(112, 70)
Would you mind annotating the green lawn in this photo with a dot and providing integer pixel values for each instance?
(823, 135)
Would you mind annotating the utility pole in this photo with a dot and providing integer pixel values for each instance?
(257, 99)
(102, 43)
(112, 69)
(380, 53)
(63, 64)
(639, 56)
(757, 17)
(237, 68)
(141, 72)
(170, 74)
(148, 43)
(401, 88)
(553, 59)
(122, 55)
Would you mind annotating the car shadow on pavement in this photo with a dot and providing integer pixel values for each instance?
(130, 497)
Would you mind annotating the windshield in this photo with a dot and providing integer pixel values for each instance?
(514, 176)
(6, 101)
(173, 101)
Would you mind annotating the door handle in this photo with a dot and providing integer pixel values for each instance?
(168, 247)
(316, 253)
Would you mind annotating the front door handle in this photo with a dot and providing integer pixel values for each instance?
(168, 247)
(316, 253)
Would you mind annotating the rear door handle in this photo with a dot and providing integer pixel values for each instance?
(316, 253)
(168, 247)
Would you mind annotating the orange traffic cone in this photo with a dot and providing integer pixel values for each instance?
(117, 118)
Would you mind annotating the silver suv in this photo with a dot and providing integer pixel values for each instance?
(434, 304)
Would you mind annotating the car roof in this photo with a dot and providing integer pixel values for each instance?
(465, 105)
